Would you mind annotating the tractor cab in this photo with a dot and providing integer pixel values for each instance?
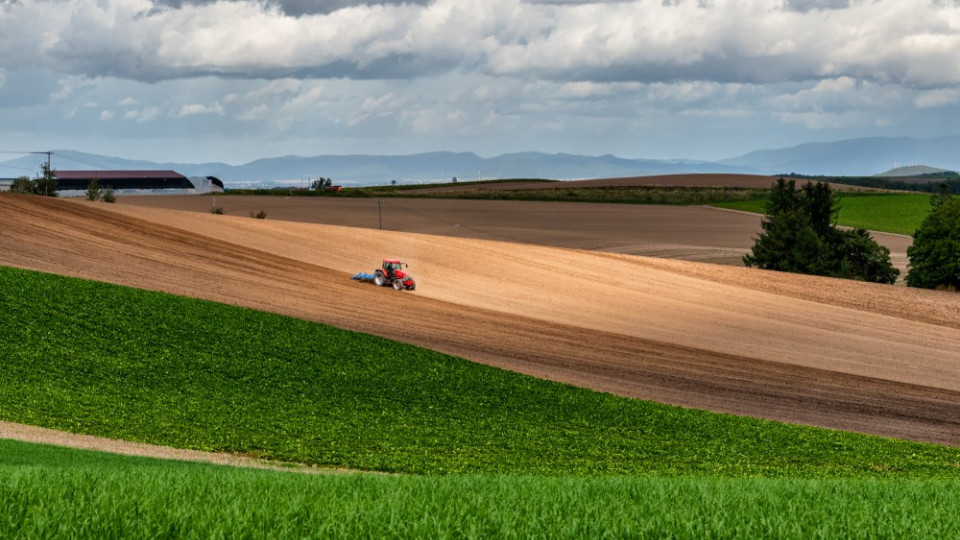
(391, 266)
(391, 273)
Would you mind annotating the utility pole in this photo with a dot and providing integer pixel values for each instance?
(380, 214)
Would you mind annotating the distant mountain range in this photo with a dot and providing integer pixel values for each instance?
(854, 157)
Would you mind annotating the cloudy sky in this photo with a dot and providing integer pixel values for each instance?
(236, 80)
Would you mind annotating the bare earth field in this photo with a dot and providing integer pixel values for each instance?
(714, 180)
(694, 233)
(861, 357)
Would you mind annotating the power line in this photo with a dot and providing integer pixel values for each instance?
(49, 153)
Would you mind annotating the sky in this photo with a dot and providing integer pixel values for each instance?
(237, 80)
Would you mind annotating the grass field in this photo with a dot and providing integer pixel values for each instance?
(553, 191)
(50, 492)
(94, 358)
(900, 213)
(609, 194)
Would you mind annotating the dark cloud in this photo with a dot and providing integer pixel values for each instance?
(297, 8)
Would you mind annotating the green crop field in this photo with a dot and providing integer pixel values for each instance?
(900, 213)
(89, 357)
(50, 492)
(483, 452)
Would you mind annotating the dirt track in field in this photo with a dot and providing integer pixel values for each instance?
(38, 435)
(870, 358)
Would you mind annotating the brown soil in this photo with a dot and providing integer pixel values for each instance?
(839, 354)
(717, 180)
(694, 233)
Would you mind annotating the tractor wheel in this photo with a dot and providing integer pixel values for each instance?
(379, 278)
(397, 285)
(412, 286)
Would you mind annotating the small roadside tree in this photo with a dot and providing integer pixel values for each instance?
(935, 253)
(93, 189)
(47, 181)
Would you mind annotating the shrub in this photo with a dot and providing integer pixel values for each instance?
(262, 214)
(23, 184)
(108, 196)
(216, 210)
(93, 190)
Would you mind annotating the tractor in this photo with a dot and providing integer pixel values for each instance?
(392, 273)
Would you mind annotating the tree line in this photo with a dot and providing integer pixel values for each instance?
(800, 235)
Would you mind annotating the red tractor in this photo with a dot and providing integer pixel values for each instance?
(391, 273)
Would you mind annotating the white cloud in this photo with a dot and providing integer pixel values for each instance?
(142, 115)
(937, 98)
(196, 108)
(499, 75)
(257, 112)
(897, 41)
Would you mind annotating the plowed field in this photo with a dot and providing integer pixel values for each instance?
(870, 358)
(694, 233)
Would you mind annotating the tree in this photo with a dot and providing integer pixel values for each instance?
(800, 235)
(862, 258)
(321, 183)
(47, 181)
(935, 253)
(93, 189)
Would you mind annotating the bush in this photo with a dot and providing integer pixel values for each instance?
(216, 210)
(108, 196)
(800, 236)
(262, 214)
(93, 190)
(935, 253)
(44, 184)
(23, 184)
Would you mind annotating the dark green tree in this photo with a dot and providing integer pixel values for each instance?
(800, 235)
(47, 181)
(860, 257)
(321, 183)
(818, 202)
(935, 253)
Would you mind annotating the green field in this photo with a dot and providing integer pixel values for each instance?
(94, 358)
(49, 492)
(484, 452)
(553, 191)
(609, 194)
(900, 213)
